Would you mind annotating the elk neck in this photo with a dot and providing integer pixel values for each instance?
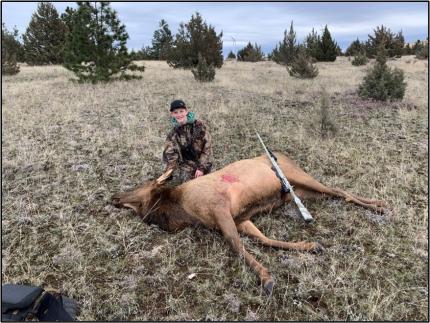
(166, 211)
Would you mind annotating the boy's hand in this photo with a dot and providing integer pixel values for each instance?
(198, 173)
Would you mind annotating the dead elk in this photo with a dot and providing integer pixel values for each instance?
(228, 198)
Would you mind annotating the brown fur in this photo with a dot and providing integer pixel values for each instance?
(228, 198)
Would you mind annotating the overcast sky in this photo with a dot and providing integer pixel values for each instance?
(261, 23)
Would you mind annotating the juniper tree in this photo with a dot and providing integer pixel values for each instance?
(10, 50)
(67, 18)
(250, 53)
(11, 44)
(327, 47)
(312, 44)
(355, 48)
(302, 66)
(285, 52)
(95, 47)
(423, 52)
(407, 50)
(193, 38)
(360, 59)
(44, 37)
(381, 82)
(162, 41)
(421, 49)
(417, 46)
(203, 72)
(398, 44)
(231, 55)
(393, 43)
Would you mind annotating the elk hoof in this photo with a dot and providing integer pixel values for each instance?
(268, 287)
(317, 248)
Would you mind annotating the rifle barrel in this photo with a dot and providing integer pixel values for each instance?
(303, 211)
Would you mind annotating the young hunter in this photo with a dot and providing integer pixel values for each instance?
(188, 146)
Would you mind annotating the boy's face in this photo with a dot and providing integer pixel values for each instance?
(180, 115)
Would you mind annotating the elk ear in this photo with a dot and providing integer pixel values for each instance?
(134, 206)
(162, 179)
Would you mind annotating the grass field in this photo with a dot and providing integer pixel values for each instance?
(67, 147)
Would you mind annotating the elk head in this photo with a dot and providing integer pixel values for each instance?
(141, 198)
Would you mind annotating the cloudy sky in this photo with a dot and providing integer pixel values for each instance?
(258, 22)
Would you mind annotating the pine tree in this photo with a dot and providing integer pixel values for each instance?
(67, 18)
(417, 46)
(96, 45)
(10, 49)
(11, 43)
(383, 35)
(355, 48)
(162, 41)
(285, 52)
(250, 53)
(44, 37)
(203, 72)
(398, 44)
(422, 52)
(407, 50)
(328, 48)
(302, 66)
(231, 55)
(291, 47)
(381, 82)
(360, 59)
(338, 50)
(193, 38)
(312, 44)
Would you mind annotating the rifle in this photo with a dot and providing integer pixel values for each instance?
(285, 185)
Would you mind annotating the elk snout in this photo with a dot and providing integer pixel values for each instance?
(115, 201)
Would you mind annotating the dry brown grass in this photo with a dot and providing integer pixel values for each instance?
(67, 147)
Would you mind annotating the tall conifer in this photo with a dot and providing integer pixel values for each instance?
(250, 53)
(162, 41)
(193, 38)
(286, 51)
(44, 37)
(10, 49)
(312, 44)
(328, 48)
(96, 44)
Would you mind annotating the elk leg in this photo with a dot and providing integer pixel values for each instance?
(226, 224)
(378, 206)
(314, 189)
(309, 193)
(301, 179)
(248, 228)
(369, 201)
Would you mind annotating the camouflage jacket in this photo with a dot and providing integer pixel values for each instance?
(189, 146)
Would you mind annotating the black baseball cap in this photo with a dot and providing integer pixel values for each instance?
(177, 104)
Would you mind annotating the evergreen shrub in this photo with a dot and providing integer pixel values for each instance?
(360, 59)
(381, 82)
(302, 66)
(203, 72)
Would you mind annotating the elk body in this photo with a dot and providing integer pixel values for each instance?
(227, 199)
